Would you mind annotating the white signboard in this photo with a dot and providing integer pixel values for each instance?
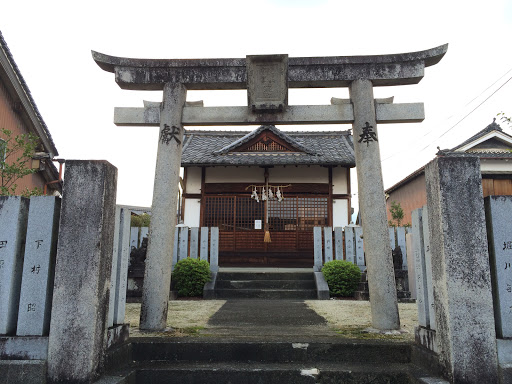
(257, 224)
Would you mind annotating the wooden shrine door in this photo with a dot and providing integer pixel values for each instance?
(290, 223)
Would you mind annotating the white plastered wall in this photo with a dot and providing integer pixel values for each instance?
(192, 212)
(339, 213)
(300, 174)
(339, 181)
(495, 166)
(234, 175)
(193, 180)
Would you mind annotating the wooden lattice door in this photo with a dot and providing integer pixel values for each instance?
(290, 223)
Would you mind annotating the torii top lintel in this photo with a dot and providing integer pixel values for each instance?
(303, 72)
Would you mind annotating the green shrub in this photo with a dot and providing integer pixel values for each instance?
(342, 277)
(190, 276)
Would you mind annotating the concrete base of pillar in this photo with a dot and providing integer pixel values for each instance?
(24, 348)
(209, 288)
(322, 288)
(23, 371)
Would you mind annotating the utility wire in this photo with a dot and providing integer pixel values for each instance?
(473, 110)
(476, 97)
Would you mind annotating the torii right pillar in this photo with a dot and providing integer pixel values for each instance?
(372, 203)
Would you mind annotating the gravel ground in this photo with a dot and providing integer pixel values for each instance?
(350, 316)
(186, 316)
(347, 317)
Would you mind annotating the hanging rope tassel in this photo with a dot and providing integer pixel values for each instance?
(267, 239)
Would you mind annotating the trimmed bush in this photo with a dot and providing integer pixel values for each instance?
(190, 276)
(342, 277)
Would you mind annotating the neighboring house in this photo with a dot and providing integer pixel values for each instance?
(19, 114)
(224, 176)
(492, 145)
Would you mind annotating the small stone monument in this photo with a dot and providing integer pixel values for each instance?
(39, 266)
(13, 210)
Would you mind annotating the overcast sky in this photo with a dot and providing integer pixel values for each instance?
(51, 42)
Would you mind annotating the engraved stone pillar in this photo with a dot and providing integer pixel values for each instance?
(349, 245)
(78, 323)
(39, 266)
(381, 278)
(499, 233)
(122, 266)
(13, 227)
(460, 270)
(157, 275)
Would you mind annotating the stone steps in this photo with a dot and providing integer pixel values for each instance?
(160, 360)
(275, 373)
(265, 275)
(265, 285)
(295, 294)
(270, 351)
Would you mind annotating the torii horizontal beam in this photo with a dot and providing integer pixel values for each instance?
(294, 114)
(303, 72)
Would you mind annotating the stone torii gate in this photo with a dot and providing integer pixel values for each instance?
(267, 79)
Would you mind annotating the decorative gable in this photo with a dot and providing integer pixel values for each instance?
(492, 145)
(266, 142)
(265, 139)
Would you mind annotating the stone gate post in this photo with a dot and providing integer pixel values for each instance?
(157, 275)
(460, 270)
(381, 277)
(78, 326)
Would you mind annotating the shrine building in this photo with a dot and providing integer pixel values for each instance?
(286, 183)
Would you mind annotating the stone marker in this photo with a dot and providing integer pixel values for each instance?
(194, 242)
(157, 274)
(338, 242)
(113, 271)
(349, 244)
(122, 266)
(39, 266)
(400, 239)
(134, 237)
(498, 211)
(183, 244)
(411, 265)
(358, 235)
(13, 226)
(175, 248)
(428, 270)
(204, 244)
(328, 244)
(82, 272)
(392, 237)
(144, 232)
(214, 249)
(317, 243)
(420, 268)
(460, 270)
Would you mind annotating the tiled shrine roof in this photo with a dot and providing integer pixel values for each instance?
(203, 148)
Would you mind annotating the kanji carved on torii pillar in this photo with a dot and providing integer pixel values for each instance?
(267, 79)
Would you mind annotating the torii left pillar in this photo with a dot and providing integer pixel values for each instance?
(157, 275)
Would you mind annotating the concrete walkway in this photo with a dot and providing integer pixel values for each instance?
(257, 318)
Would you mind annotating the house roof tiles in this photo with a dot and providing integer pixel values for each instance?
(26, 90)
